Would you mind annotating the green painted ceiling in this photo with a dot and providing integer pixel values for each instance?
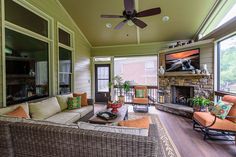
(186, 16)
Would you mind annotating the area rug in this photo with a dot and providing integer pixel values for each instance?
(168, 146)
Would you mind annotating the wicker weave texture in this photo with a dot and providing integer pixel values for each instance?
(52, 141)
(6, 149)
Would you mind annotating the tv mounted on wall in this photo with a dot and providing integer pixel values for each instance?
(183, 61)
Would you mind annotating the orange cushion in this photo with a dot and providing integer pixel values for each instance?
(140, 100)
(136, 123)
(83, 98)
(206, 119)
(18, 112)
(232, 112)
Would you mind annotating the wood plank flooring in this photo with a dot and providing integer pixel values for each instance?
(190, 143)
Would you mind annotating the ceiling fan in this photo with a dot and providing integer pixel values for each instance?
(131, 14)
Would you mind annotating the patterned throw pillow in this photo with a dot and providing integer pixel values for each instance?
(221, 109)
(140, 93)
(74, 102)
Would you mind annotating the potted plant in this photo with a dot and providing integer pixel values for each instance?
(200, 103)
(122, 85)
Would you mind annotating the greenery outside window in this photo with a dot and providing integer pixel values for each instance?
(226, 76)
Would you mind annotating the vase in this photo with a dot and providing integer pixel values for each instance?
(161, 70)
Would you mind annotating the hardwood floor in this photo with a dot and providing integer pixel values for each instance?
(189, 142)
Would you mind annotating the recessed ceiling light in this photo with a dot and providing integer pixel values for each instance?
(165, 18)
(108, 25)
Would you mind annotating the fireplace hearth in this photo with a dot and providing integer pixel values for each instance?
(182, 95)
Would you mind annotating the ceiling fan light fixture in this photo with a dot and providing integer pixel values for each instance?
(165, 18)
(109, 25)
(130, 23)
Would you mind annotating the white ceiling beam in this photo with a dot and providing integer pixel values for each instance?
(138, 30)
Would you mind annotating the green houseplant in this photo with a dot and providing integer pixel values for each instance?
(121, 85)
(200, 103)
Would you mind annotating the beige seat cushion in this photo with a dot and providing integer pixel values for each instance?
(62, 100)
(114, 129)
(44, 109)
(49, 123)
(64, 118)
(6, 110)
(83, 110)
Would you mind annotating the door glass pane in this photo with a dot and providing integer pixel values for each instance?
(65, 83)
(64, 37)
(21, 16)
(103, 85)
(65, 62)
(103, 72)
(227, 66)
(26, 68)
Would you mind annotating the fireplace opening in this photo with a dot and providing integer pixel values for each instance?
(182, 95)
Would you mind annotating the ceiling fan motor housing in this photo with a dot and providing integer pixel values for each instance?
(129, 15)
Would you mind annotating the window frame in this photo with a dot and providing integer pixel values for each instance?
(69, 48)
(49, 40)
(217, 63)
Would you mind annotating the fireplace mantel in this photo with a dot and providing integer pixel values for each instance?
(184, 75)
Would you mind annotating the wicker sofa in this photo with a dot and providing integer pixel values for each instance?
(30, 139)
(52, 109)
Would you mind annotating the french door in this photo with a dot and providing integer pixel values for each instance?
(102, 79)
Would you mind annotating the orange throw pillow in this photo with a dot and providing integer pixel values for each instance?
(18, 112)
(136, 123)
(83, 98)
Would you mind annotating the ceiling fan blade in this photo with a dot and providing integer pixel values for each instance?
(149, 12)
(112, 16)
(121, 24)
(129, 6)
(139, 23)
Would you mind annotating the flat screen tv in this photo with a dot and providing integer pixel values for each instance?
(183, 61)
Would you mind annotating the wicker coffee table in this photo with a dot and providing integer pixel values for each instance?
(121, 115)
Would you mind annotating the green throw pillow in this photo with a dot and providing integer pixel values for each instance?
(221, 109)
(140, 93)
(74, 102)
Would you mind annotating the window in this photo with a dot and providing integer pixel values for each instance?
(27, 49)
(26, 68)
(223, 11)
(65, 70)
(226, 78)
(25, 18)
(65, 59)
(102, 59)
(138, 70)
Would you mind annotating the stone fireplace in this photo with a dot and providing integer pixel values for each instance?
(182, 95)
(179, 88)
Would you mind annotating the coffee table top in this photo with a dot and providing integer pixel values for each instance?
(121, 115)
